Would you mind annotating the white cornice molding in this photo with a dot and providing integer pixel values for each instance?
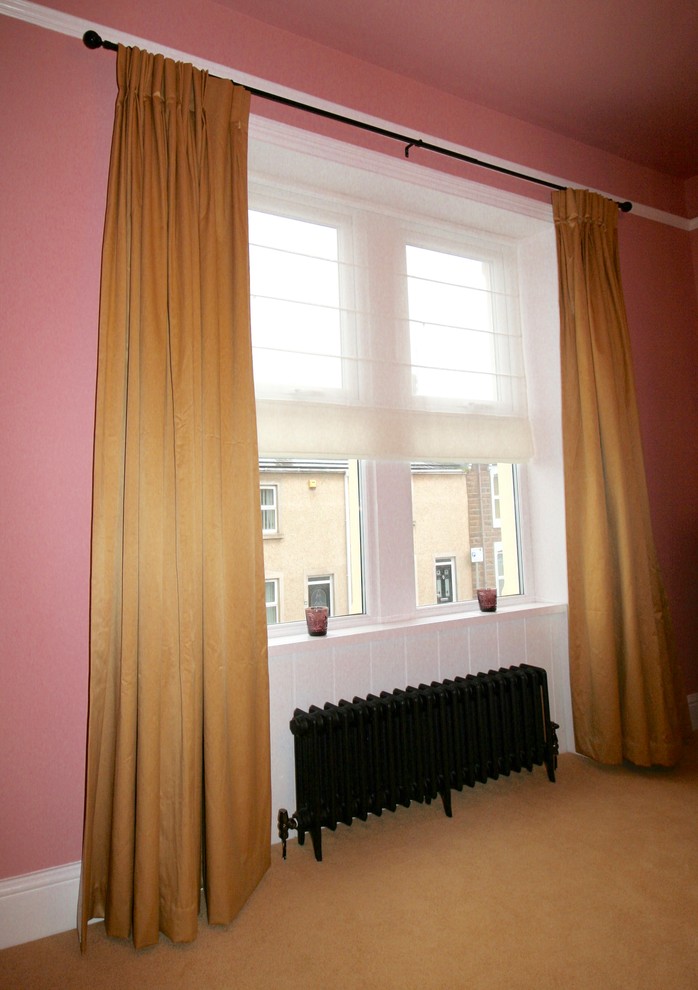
(62, 23)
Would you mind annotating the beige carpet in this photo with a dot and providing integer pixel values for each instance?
(591, 882)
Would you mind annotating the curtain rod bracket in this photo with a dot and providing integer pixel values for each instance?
(93, 41)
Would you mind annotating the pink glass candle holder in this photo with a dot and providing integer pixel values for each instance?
(316, 620)
(487, 599)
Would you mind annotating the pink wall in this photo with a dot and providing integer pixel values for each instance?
(661, 302)
(56, 146)
(55, 117)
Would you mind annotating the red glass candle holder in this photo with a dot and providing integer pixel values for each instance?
(316, 620)
(487, 599)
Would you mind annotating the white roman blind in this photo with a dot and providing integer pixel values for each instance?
(380, 331)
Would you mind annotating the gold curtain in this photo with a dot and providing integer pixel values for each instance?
(178, 780)
(627, 697)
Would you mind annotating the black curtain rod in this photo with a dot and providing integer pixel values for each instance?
(93, 41)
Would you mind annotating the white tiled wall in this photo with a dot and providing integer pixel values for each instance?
(312, 670)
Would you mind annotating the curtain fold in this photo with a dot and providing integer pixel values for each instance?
(627, 697)
(178, 779)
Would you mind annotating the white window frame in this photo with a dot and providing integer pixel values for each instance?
(278, 157)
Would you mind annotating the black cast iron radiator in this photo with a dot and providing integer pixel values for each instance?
(357, 758)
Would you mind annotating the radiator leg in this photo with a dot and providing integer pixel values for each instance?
(446, 801)
(552, 750)
(316, 836)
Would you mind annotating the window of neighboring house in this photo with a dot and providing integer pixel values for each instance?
(496, 501)
(320, 591)
(387, 353)
(269, 500)
(500, 575)
(271, 593)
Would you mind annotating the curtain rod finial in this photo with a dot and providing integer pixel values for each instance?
(91, 40)
(625, 207)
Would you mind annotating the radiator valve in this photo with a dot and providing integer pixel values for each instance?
(285, 823)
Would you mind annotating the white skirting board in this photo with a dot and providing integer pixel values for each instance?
(38, 904)
(45, 903)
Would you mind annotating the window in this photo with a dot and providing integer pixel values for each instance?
(271, 594)
(382, 336)
(268, 497)
(296, 320)
(494, 488)
(500, 576)
(451, 326)
(320, 591)
(393, 355)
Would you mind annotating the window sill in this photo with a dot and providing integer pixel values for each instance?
(341, 630)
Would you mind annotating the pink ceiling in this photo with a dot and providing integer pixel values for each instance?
(621, 75)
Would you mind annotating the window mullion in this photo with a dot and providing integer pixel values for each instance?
(388, 525)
